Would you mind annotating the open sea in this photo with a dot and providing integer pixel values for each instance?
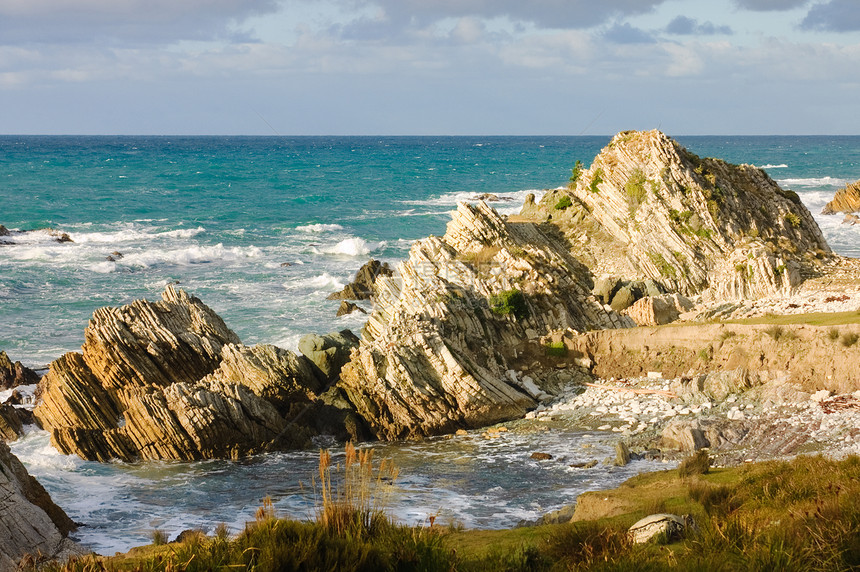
(262, 229)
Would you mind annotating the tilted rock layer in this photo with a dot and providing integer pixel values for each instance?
(169, 380)
(436, 352)
(30, 522)
(649, 209)
(846, 200)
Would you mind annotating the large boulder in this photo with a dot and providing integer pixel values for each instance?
(169, 380)
(649, 209)
(30, 522)
(328, 353)
(846, 200)
(15, 374)
(467, 308)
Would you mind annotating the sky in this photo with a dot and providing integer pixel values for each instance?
(429, 67)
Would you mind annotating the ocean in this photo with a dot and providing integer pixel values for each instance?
(262, 229)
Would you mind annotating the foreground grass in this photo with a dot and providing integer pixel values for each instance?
(798, 515)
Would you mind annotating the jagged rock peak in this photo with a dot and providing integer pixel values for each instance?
(648, 208)
(169, 380)
(460, 314)
(846, 200)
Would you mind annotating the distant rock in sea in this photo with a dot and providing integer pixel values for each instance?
(846, 200)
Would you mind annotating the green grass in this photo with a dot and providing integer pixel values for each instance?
(812, 319)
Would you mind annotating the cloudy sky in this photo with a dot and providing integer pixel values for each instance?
(295, 67)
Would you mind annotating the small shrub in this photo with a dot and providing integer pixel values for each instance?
(563, 203)
(509, 302)
(705, 354)
(662, 265)
(697, 464)
(576, 172)
(849, 339)
(833, 334)
(793, 220)
(596, 180)
(635, 190)
(775, 332)
(726, 334)
(159, 537)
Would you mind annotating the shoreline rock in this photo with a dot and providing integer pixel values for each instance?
(31, 522)
(846, 200)
(169, 380)
(361, 287)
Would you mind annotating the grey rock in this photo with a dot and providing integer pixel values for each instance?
(329, 352)
(667, 526)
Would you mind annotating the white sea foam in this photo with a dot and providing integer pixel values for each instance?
(812, 182)
(354, 247)
(186, 256)
(319, 227)
(780, 166)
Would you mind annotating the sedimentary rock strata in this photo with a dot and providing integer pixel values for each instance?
(30, 523)
(442, 348)
(649, 209)
(846, 200)
(169, 380)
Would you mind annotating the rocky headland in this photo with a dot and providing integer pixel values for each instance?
(490, 321)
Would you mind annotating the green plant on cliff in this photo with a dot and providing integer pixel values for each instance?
(849, 339)
(576, 172)
(563, 203)
(634, 188)
(793, 219)
(596, 180)
(509, 302)
(663, 267)
(555, 349)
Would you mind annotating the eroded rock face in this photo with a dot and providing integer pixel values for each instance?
(29, 521)
(15, 374)
(846, 200)
(464, 310)
(649, 209)
(361, 287)
(169, 380)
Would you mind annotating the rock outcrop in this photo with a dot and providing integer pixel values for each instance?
(30, 523)
(649, 209)
(361, 287)
(846, 200)
(169, 380)
(15, 374)
(450, 336)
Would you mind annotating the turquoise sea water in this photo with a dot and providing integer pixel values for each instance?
(262, 229)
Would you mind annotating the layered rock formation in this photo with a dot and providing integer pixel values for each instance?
(169, 380)
(649, 209)
(846, 200)
(441, 349)
(30, 523)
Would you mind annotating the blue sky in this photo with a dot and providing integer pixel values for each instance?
(483, 67)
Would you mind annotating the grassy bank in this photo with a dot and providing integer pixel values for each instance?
(798, 515)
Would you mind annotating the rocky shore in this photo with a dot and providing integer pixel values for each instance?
(599, 304)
